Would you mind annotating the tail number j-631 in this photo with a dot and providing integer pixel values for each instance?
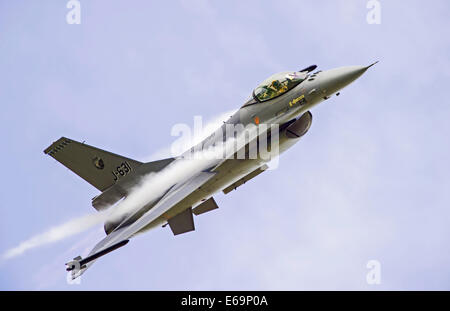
(121, 170)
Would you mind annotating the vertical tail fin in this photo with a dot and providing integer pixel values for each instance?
(98, 167)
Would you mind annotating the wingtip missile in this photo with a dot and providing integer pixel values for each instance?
(74, 264)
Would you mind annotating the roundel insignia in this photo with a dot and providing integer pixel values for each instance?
(98, 163)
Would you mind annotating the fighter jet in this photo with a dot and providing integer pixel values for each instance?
(284, 99)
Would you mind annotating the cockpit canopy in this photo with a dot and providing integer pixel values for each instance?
(278, 84)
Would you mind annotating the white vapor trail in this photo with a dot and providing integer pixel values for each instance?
(149, 189)
(56, 233)
(196, 137)
(154, 185)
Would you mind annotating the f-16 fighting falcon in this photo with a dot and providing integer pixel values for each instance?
(283, 101)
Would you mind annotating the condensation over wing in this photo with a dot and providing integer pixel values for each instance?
(118, 236)
(122, 188)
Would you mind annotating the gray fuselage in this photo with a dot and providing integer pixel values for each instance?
(282, 110)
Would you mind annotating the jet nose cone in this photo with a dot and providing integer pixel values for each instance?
(336, 79)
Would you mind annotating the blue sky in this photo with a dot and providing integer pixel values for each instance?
(369, 181)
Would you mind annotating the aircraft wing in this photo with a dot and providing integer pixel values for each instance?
(120, 236)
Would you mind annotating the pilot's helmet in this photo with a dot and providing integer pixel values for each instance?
(276, 84)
